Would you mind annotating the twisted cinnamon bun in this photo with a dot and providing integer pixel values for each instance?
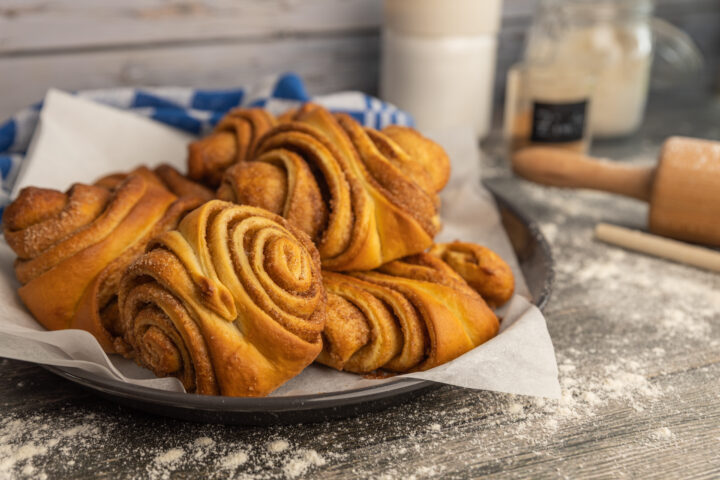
(344, 185)
(231, 302)
(408, 315)
(73, 247)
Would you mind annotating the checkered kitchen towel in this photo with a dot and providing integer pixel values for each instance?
(194, 111)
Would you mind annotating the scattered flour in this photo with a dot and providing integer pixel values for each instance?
(660, 352)
(566, 368)
(682, 322)
(429, 472)
(165, 463)
(515, 408)
(550, 230)
(202, 446)
(278, 446)
(25, 441)
(300, 464)
(170, 456)
(592, 399)
(583, 393)
(233, 460)
(662, 434)
(29, 444)
(621, 383)
(204, 442)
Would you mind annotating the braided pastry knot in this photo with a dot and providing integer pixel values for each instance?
(231, 302)
(481, 268)
(232, 141)
(358, 194)
(409, 315)
(73, 247)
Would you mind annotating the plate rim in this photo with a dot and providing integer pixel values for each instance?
(537, 235)
(217, 403)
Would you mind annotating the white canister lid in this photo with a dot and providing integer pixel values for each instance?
(443, 17)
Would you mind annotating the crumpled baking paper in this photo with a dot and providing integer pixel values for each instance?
(78, 141)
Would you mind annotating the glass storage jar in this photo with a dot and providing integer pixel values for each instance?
(548, 105)
(614, 39)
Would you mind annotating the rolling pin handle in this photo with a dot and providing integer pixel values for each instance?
(564, 168)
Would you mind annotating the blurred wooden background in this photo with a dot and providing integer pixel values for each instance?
(333, 44)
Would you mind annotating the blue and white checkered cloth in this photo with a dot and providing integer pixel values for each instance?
(195, 111)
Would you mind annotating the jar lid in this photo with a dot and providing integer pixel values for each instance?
(598, 9)
(443, 17)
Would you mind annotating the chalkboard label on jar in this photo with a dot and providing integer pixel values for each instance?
(558, 122)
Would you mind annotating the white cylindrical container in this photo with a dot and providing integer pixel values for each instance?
(438, 61)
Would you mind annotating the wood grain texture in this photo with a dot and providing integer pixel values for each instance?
(565, 168)
(38, 25)
(326, 64)
(637, 340)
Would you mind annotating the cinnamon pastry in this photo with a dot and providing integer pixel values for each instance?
(164, 175)
(481, 268)
(231, 303)
(181, 185)
(408, 315)
(73, 247)
(418, 157)
(343, 185)
(232, 141)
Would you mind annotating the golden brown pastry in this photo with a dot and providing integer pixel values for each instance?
(344, 185)
(164, 175)
(411, 314)
(481, 268)
(232, 141)
(231, 303)
(265, 183)
(73, 247)
(181, 185)
(422, 159)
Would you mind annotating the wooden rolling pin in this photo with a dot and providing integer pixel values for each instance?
(662, 247)
(683, 189)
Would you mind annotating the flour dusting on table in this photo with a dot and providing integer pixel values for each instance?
(28, 445)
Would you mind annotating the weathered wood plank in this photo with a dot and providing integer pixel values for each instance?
(326, 64)
(38, 25)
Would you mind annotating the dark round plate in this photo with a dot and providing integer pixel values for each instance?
(535, 260)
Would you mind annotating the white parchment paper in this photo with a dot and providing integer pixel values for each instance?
(79, 141)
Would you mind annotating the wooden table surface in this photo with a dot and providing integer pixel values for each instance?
(637, 342)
